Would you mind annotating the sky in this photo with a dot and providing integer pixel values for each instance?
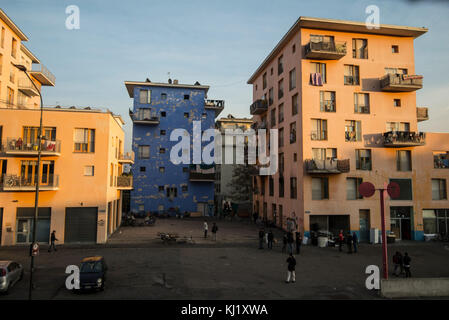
(218, 43)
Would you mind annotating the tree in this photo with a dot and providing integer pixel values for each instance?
(242, 183)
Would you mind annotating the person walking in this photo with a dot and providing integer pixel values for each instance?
(206, 227)
(214, 231)
(397, 262)
(291, 275)
(284, 242)
(290, 241)
(406, 261)
(255, 216)
(261, 235)
(340, 240)
(270, 239)
(355, 240)
(349, 242)
(52, 241)
(298, 242)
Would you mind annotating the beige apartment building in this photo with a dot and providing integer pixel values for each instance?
(343, 99)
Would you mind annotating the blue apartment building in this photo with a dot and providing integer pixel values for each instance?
(160, 185)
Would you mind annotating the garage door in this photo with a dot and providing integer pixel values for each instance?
(81, 225)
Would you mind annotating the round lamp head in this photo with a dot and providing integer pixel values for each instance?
(366, 189)
(393, 190)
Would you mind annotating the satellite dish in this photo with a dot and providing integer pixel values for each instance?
(393, 190)
(366, 189)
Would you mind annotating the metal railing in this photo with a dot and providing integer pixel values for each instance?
(129, 156)
(338, 47)
(43, 69)
(259, 106)
(215, 103)
(404, 137)
(152, 116)
(124, 181)
(16, 182)
(401, 80)
(20, 145)
(25, 84)
(327, 165)
(351, 80)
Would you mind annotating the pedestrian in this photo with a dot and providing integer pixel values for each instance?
(290, 241)
(349, 242)
(270, 239)
(397, 262)
(284, 242)
(298, 242)
(261, 235)
(255, 217)
(406, 261)
(355, 241)
(340, 240)
(214, 231)
(291, 275)
(206, 227)
(52, 241)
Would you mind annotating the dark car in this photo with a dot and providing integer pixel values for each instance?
(93, 273)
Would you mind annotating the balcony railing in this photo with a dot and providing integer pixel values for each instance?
(258, 107)
(401, 82)
(124, 182)
(19, 147)
(147, 119)
(318, 135)
(352, 80)
(325, 50)
(12, 182)
(202, 173)
(26, 86)
(422, 113)
(327, 105)
(43, 75)
(327, 166)
(217, 105)
(404, 139)
(126, 158)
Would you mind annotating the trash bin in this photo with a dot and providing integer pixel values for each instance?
(322, 241)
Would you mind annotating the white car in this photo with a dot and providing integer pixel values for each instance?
(10, 273)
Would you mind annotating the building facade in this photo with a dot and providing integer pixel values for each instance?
(343, 98)
(160, 185)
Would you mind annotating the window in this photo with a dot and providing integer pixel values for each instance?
(293, 188)
(293, 132)
(320, 188)
(353, 131)
(352, 188)
(398, 126)
(84, 140)
(439, 189)
(360, 48)
(172, 192)
(273, 117)
(162, 132)
(295, 104)
(363, 159)
(292, 79)
(163, 114)
(404, 160)
(185, 169)
(405, 189)
(2, 41)
(441, 159)
(281, 137)
(143, 114)
(351, 75)
(162, 169)
(89, 171)
(394, 49)
(14, 48)
(281, 113)
(280, 65)
(145, 96)
(143, 152)
(270, 96)
(281, 187)
(281, 163)
(143, 169)
(161, 188)
(281, 89)
(397, 102)
(271, 186)
(1, 63)
(327, 101)
(436, 221)
(293, 48)
(163, 96)
(324, 153)
(295, 157)
(264, 81)
(271, 71)
(319, 129)
(317, 68)
(396, 71)
(361, 102)
(186, 115)
(184, 188)
(186, 97)
(10, 96)
(162, 150)
(12, 74)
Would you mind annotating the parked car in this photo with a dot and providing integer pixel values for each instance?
(93, 273)
(10, 273)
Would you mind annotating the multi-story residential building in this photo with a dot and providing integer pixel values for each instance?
(347, 96)
(224, 172)
(82, 156)
(161, 185)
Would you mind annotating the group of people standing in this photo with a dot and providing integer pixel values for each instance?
(351, 240)
(214, 230)
(402, 264)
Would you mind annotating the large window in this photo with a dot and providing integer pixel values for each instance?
(324, 153)
(270, 96)
(264, 80)
(360, 48)
(281, 137)
(293, 188)
(353, 130)
(439, 189)
(403, 160)
(441, 159)
(281, 89)
(84, 140)
(405, 189)
(363, 159)
(361, 102)
(436, 221)
(319, 129)
(281, 112)
(273, 117)
(271, 186)
(320, 188)
(293, 132)
(327, 101)
(352, 188)
(316, 69)
(144, 152)
(280, 65)
(281, 187)
(351, 75)
(295, 104)
(292, 79)
(145, 96)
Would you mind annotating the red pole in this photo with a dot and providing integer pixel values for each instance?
(384, 235)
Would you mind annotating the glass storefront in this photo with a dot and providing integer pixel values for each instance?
(401, 222)
(436, 221)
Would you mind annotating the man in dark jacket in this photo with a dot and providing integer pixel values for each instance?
(355, 241)
(298, 242)
(214, 231)
(290, 241)
(52, 241)
(261, 235)
(291, 275)
(406, 261)
(270, 239)
(397, 262)
(349, 242)
(340, 240)
(284, 242)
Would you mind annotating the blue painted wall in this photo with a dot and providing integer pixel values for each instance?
(146, 184)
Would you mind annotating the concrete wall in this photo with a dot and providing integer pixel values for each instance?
(415, 287)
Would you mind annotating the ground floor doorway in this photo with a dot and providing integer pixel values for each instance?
(365, 225)
(25, 225)
(401, 222)
(329, 223)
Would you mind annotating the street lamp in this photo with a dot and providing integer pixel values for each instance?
(36, 198)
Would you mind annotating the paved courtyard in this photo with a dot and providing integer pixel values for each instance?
(141, 267)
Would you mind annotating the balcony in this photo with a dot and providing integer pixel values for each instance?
(217, 105)
(124, 182)
(26, 87)
(325, 50)
(422, 114)
(328, 166)
(127, 158)
(20, 148)
(144, 119)
(12, 182)
(258, 107)
(202, 173)
(259, 125)
(43, 75)
(398, 139)
(401, 82)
